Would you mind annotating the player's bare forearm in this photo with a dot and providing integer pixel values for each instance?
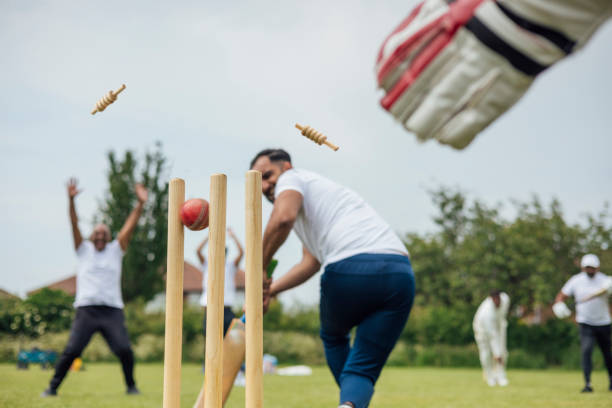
(199, 252)
(125, 234)
(561, 297)
(275, 235)
(286, 208)
(297, 275)
(74, 222)
(238, 247)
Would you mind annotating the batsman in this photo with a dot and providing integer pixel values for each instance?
(367, 282)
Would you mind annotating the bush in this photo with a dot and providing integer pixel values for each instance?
(550, 339)
(140, 323)
(439, 325)
(519, 358)
(194, 350)
(294, 348)
(54, 308)
(150, 347)
(45, 311)
(298, 319)
(446, 356)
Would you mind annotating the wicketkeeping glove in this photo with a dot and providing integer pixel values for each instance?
(452, 67)
(561, 310)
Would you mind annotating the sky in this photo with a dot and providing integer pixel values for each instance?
(216, 82)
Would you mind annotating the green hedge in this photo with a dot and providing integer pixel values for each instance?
(45, 311)
(300, 348)
(434, 336)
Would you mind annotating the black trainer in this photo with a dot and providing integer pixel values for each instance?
(49, 392)
(587, 388)
(132, 390)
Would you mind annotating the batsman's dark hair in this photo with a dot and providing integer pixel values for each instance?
(494, 292)
(275, 155)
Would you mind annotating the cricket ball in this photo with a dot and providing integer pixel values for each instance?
(194, 214)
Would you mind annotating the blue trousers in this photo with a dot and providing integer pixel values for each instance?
(373, 292)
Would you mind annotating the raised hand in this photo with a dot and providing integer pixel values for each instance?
(73, 190)
(141, 193)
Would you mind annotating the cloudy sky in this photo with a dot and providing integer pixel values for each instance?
(216, 82)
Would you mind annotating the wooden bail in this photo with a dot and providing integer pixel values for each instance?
(316, 136)
(107, 99)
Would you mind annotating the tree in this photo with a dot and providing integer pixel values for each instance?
(476, 250)
(144, 261)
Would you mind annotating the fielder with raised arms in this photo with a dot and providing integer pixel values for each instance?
(368, 281)
(98, 303)
(590, 289)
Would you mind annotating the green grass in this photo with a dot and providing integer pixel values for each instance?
(101, 385)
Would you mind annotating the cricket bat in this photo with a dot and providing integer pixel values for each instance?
(594, 295)
(234, 348)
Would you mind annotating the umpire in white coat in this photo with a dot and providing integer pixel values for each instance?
(490, 326)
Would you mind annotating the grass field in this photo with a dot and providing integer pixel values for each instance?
(101, 385)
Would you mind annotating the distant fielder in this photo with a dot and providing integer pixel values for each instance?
(490, 326)
(590, 289)
(98, 303)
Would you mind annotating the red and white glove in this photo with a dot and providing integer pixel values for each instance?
(452, 67)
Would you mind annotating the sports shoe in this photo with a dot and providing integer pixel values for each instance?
(346, 405)
(49, 392)
(587, 388)
(133, 390)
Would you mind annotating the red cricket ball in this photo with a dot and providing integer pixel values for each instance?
(194, 214)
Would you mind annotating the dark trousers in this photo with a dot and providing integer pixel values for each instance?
(589, 335)
(373, 292)
(109, 321)
(228, 316)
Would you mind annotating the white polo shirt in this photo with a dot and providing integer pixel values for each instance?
(594, 312)
(229, 285)
(334, 222)
(99, 275)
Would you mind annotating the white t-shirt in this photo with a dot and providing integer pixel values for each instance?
(491, 322)
(334, 222)
(229, 284)
(594, 312)
(99, 275)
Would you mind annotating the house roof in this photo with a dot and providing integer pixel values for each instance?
(67, 285)
(7, 295)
